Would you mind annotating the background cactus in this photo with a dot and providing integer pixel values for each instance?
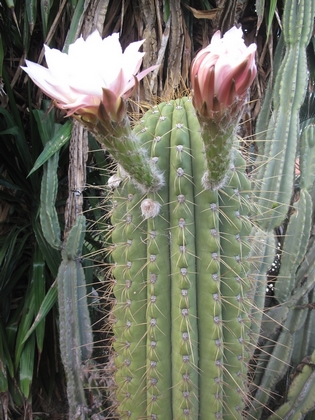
(75, 325)
(282, 344)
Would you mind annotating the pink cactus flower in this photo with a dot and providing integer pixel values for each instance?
(222, 72)
(94, 72)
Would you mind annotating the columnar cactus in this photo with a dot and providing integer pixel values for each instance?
(180, 317)
(286, 328)
(75, 326)
(278, 133)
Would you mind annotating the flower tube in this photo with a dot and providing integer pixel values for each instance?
(220, 76)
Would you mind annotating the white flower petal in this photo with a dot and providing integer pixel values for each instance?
(46, 81)
(76, 80)
(58, 63)
(92, 85)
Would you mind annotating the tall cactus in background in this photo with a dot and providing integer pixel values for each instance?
(284, 340)
(191, 244)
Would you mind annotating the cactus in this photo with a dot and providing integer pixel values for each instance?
(181, 306)
(286, 335)
(275, 178)
(300, 393)
(75, 326)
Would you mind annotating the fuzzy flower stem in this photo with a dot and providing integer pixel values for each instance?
(123, 145)
(218, 144)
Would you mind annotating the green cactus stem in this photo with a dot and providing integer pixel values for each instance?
(124, 146)
(218, 137)
(301, 393)
(306, 334)
(276, 357)
(275, 177)
(74, 321)
(307, 158)
(294, 246)
(180, 316)
(261, 257)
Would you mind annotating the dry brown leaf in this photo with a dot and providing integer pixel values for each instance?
(203, 14)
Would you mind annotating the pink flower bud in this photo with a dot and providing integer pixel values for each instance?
(222, 72)
(94, 72)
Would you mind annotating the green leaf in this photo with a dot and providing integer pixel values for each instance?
(11, 252)
(39, 285)
(167, 10)
(48, 302)
(24, 326)
(272, 9)
(51, 256)
(3, 380)
(5, 355)
(27, 366)
(76, 23)
(45, 119)
(45, 7)
(260, 8)
(31, 10)
(13, 107)
(7, 184)
(21, 145)
(1, 55)
(60, 139)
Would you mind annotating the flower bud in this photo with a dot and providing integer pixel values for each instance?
(221, 74)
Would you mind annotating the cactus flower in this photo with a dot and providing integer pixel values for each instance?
(222, 72)
(94, 72)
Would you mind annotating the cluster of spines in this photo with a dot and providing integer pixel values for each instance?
(180, 317)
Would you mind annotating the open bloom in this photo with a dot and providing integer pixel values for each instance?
(94, 72)
(222, 72)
